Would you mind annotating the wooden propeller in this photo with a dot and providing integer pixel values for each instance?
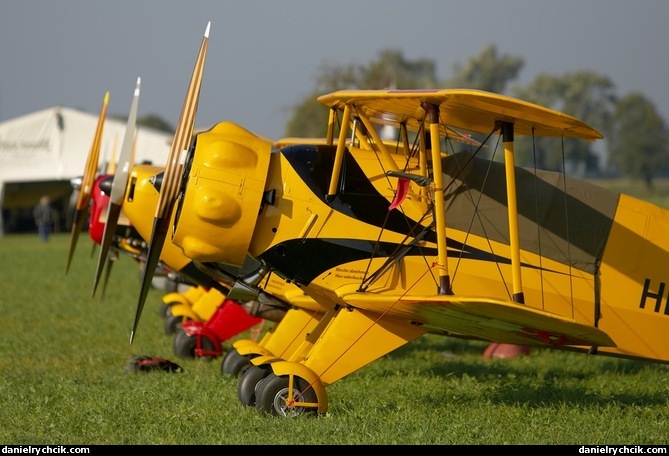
(82, 209)
(119, 184)
(171, 178)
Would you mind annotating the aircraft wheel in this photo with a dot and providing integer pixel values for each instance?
(246, 389)
(273, 396)
(165, 310)
(173, 324)
(171, 285)
(233, 363)
(185, 345)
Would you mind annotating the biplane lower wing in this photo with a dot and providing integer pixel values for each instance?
(483, 318)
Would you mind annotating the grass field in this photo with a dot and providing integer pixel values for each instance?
(63, 355)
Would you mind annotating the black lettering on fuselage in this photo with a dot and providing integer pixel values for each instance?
(657, 297)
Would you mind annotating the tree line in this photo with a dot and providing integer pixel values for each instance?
(636, 137)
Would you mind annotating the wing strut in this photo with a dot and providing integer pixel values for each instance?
(512, 207)
(339, 155)
(439, 212)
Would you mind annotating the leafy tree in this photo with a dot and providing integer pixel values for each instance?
(150, 120)
(389, 70)
(308, 118)
(486, 71)
(639, 145)
(156, 122)
(585, 95)
(392, 71)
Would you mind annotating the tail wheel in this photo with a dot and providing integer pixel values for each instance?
(185, 346)
(276, 396)
(248, 383)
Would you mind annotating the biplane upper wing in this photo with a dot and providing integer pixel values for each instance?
(468, 109)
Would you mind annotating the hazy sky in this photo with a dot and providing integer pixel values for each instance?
(263, 55)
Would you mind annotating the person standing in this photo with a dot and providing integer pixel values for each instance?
(43, 214)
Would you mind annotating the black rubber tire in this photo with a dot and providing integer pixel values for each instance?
(185, 345)
(248, 382)
(164, 310)
(233, 363)
(272, 394)
(173, 324)
(171, 286)
(178, 335)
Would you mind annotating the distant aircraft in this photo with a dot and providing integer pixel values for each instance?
(429, 237)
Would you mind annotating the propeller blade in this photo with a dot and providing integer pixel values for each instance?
(171, 178)
(113, 214)
(88, 179)
(111, 166)
(119, 184)
(110, 263)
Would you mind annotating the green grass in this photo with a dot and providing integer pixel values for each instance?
(63, 354)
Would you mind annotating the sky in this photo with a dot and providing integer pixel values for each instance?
(264, 55)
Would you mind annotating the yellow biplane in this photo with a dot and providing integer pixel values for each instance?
(424, 237)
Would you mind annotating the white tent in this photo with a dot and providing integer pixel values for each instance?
(53, 145)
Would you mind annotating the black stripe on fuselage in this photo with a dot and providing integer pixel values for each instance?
(302, 260)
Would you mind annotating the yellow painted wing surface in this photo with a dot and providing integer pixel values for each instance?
(468, 109)
(482, 318)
